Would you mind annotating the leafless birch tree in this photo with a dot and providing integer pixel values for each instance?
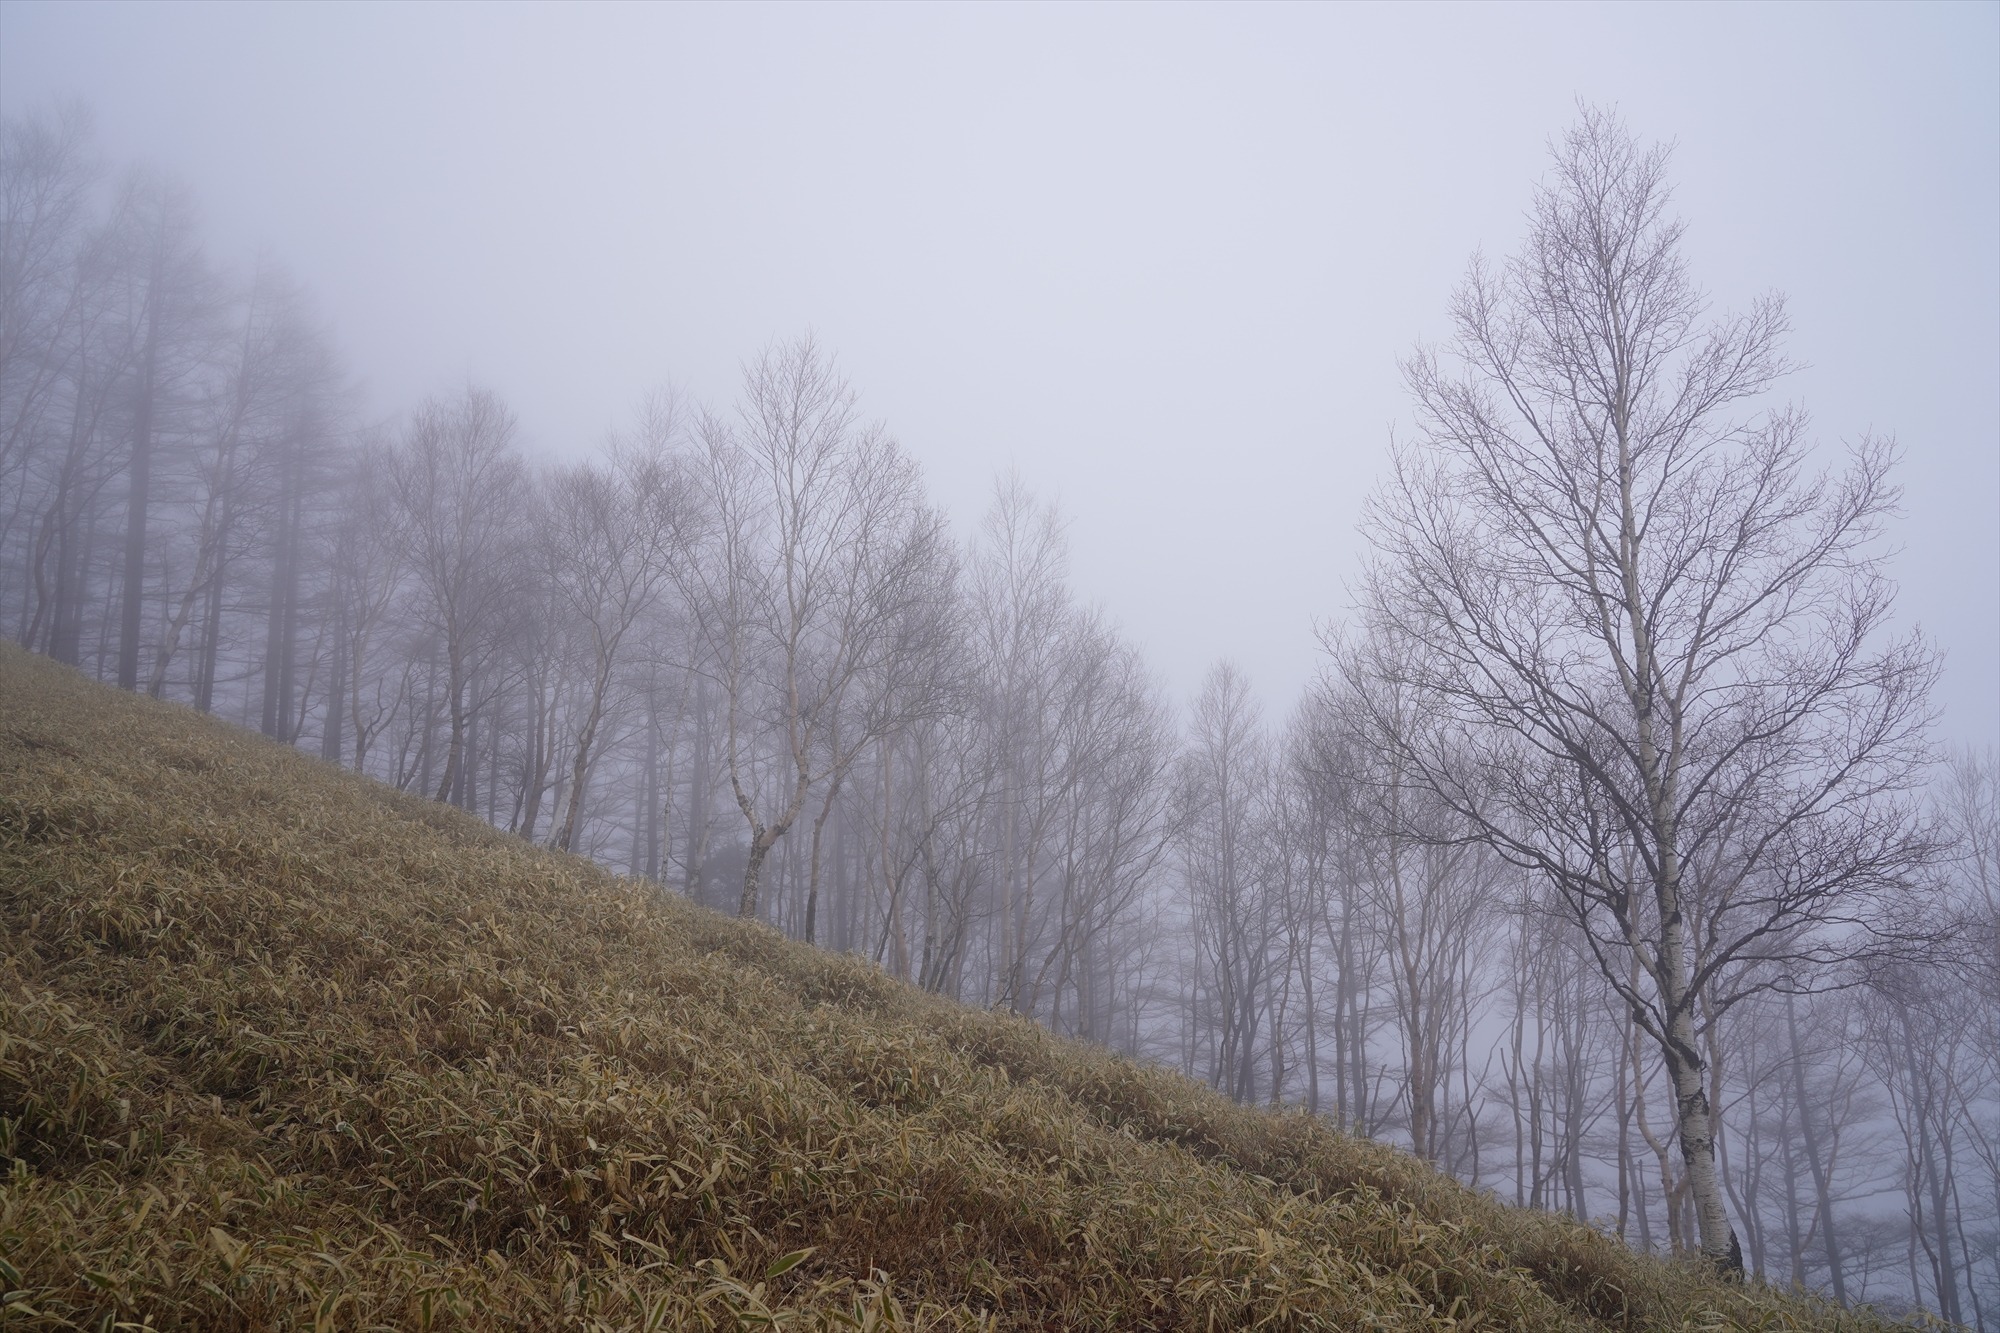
(811, 562)
(1654, 644)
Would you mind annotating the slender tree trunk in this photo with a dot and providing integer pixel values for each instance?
(898, 935)
(1920, 1110)
(211, 646)
(1814, 1162)
(276, 640)
(494, 737)
(72, 590)
(599, 685)
(138, 490)
(38, 568)
(753, 872)
(540, 756)
(176, 624)
(291, 704)
(1623, 1108)
(700, 798)
(1009, 943)
(1312, 1022)
(655, 815)
(332, 732)
(466, 795)
(66, 615)
(812, 878)
(455, 702)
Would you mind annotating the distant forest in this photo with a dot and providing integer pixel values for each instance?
(1608, 862)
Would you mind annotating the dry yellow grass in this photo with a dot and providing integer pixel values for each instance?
(283, 1049)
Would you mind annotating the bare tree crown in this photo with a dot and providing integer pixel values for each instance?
(1653, 647)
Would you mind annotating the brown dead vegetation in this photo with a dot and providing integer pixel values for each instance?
(283, 1049)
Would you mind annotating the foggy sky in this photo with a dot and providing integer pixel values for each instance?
(1161, 260)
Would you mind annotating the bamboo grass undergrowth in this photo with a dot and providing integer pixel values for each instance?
(283, 1048)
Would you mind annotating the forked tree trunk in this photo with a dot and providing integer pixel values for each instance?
(753, 872)
(1694, 1120)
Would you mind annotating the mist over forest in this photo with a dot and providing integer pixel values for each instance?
(1612, 858)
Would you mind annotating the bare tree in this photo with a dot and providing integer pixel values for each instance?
(809, 565)
(1552, 1047)
(1919, 1030)
(1616, 638)
(1653, 645)
(1329, 828)
(170, 301)
(607, 536)
(369, 573)
(460, 487)
(1800, 1118)
(56, 322)
(1433, 890)
(1235, 905)
(1111, 824)
(264, 411)
(1958, 1015)
(1024, 628)
(908, 676)
(45, 178)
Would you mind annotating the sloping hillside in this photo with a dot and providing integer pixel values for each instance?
(282, 1048)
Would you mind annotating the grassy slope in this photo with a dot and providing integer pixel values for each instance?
(282, 1048)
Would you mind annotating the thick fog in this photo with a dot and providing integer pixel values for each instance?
(1434, 565)
(1164, 265)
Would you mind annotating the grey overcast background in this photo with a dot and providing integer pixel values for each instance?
(1161, 260)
